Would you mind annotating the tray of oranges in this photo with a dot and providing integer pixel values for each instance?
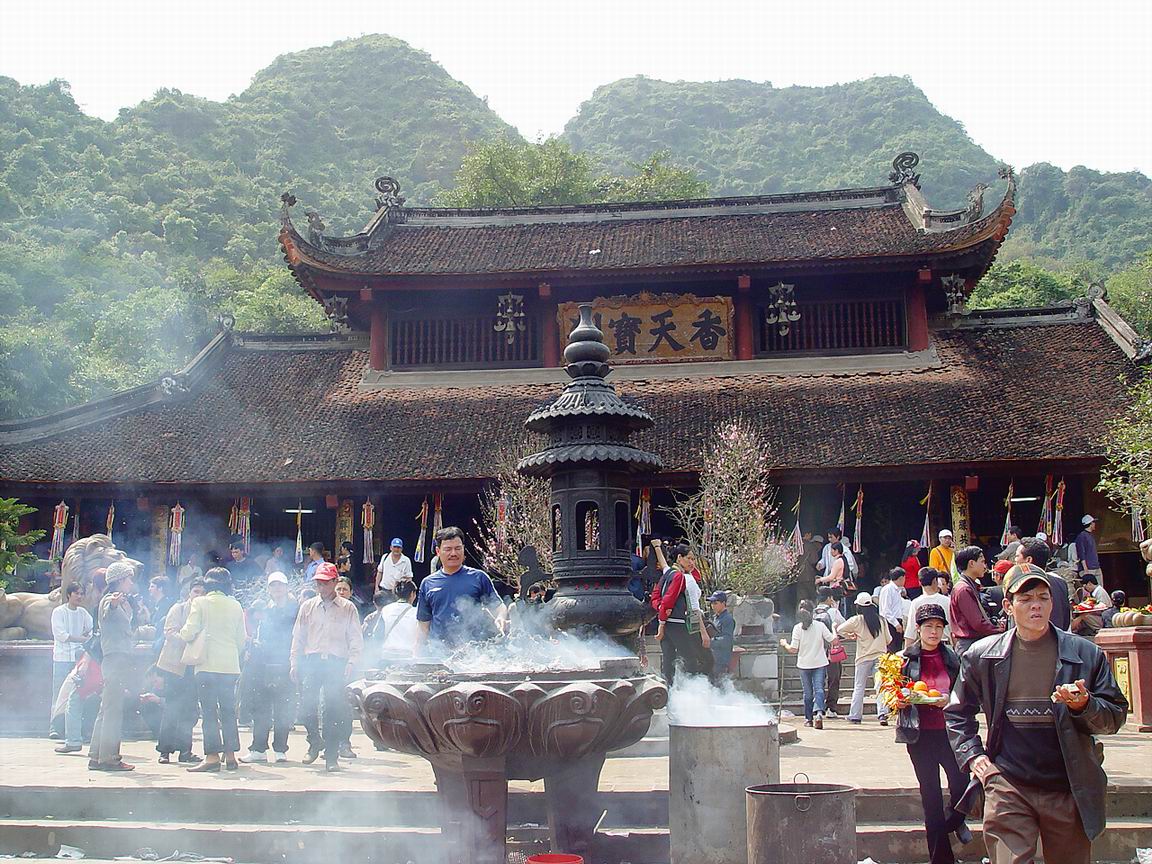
(897, 690)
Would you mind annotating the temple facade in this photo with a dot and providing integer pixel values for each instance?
(834, 321)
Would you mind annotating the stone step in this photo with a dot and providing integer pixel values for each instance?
(889, 842)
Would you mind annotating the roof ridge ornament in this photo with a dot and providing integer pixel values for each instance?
(389, 200)
(903, 169)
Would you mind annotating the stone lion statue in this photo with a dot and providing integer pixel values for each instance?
(25, 615)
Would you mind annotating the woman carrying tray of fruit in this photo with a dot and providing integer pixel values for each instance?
(919, 690)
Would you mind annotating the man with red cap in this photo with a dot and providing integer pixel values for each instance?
(326, 647)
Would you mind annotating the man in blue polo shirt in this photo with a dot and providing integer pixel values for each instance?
(456, 604)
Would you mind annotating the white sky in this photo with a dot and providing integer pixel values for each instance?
(1061, 81)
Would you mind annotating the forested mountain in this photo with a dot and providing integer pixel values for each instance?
(747, 138)
(121, 241)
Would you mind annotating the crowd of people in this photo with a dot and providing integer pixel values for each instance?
(278, 659)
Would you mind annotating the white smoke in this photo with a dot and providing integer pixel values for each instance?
(695, 701)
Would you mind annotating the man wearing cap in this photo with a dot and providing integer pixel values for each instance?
(941, 555)
(326, 647)
(1087, 560)
(966, 612)
(394, 568)
(269, 665)
(725, 637)
(1045, 694)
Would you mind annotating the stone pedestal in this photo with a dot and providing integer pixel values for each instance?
(1129, 651)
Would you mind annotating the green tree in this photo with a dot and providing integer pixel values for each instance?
(1126, 477)
(12, 541)
(1130, 293)
(1022, 283)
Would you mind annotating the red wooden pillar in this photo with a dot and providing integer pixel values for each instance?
(745, 323)
(549, 327)
(378, 338)
(917, 309)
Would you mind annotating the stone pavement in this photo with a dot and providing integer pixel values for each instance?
(865, 756)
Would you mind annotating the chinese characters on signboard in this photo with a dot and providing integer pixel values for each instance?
(961, 523)
(648, 328)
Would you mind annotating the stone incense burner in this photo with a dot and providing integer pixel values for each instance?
(481, 730)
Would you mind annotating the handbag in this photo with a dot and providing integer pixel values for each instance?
(837, 654)
(196, 651)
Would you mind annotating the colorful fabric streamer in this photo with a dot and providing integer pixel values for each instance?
(59, 527)
(368, 523)
(175, 534)
(859, 508)
(1008, 512)
(503, 504)
(926, 533)
(643, 519)
(1057, 537)
(1045, 525)
(110, 520)
(299, 557)
(1139, 529)
(796, 539)
(418, 551)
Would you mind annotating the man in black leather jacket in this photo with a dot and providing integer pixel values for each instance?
(1045, 693)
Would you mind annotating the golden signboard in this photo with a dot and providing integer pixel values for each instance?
(961, 523)
(656, 328)
(1123, 681)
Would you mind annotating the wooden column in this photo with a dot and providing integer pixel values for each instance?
(378, 345)
(745, 320)
(549, 327)
(917, 311)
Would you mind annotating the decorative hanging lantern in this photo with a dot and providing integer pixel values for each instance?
(368, 524)
(1045, 525)
(438, 516)
(244, 523)
(175, 534)
(643, 519)
(510, 316)
(840, 520)
(59, 526)
(782, 309)
(110, 520)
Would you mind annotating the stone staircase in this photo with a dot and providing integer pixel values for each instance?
(792, 691)
(396, 827)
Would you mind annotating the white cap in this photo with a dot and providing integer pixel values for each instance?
(863, 599)
(1040, 535)
(277, 576)
(944, 532)
(1087, 520)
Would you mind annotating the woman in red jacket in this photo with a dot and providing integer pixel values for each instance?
(910, 561)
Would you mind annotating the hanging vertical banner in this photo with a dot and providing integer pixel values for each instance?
(76, 524)
(1045, 525)
(368, 523)
(859, 508)
(1008, 512)
(643, 519)
(961, 522)
(422, 517)
(345, 524)
(438, 516)
(110, 521)
(926, 533)
(59, 528)
(796, 540)
(175, 534)
(299, 558)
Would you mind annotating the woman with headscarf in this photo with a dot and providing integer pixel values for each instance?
(215, 636)
(871, 634)
(922, 729)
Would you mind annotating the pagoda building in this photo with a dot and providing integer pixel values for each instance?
(834, 321)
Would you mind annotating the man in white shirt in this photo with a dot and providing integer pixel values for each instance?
(892, 607)
(930, 583)
(71, 627)
(394, 568)
(398, 623)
